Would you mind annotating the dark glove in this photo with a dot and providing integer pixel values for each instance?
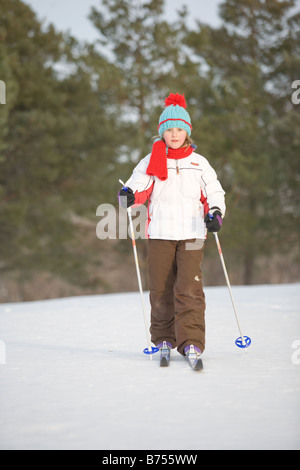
(214, 221)
(128, 194)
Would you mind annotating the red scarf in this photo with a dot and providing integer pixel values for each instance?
(158, 160)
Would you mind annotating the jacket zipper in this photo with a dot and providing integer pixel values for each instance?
(177, 168)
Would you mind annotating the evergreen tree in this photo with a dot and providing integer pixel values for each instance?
(149, 51)
(55, 142)
(243, 109)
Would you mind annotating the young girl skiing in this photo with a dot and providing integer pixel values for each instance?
(185, 200)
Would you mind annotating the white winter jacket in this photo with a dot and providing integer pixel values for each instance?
(178, 205)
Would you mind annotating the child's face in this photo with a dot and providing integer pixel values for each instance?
(175, 137)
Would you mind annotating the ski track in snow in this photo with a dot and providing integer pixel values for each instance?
(75, 376)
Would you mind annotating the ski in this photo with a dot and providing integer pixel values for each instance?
(196, 365)
(194, 359)
(165, 353)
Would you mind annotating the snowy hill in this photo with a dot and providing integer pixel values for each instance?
(73, 376)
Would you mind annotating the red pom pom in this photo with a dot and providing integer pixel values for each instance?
(175, 99)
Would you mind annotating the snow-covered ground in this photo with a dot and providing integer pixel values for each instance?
(73, 376)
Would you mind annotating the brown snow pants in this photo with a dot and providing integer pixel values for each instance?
(176, 292)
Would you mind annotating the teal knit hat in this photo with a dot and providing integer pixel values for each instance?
(175, 115)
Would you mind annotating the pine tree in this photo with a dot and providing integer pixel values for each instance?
(243, 108)
(55, 142)
(148, 50)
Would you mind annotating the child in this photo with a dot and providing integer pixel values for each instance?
(185, 200)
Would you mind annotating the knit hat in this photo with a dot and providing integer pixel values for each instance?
(175, 115)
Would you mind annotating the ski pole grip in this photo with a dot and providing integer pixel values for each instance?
(123, 184)
(125, 189)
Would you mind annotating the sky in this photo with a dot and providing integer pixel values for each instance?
(72, 14)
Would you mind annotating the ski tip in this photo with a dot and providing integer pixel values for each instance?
(198, 365)
(164, 362)
(195, 365)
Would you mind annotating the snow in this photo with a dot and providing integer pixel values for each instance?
(73, 376)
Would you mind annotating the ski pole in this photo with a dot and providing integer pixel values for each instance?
(150, 350)
(243, 341)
